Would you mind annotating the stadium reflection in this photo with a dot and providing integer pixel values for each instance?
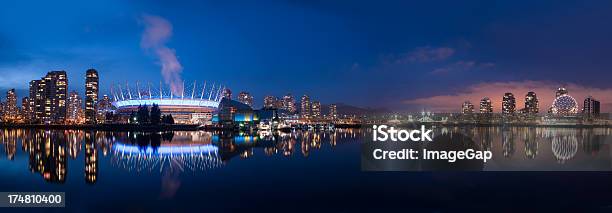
(50, 153)
(169, 153)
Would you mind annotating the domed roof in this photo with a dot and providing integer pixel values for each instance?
(564, 104)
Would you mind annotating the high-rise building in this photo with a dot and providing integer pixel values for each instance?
(467, 107)
(316, 109)
(27, 112)
(270, 102)
(74, 112)
(227, 93)
(333, 111)
(104, 110)
(531, 103)
(508, 103)
(48, 96)
(289, 103)
(561, 91)
(1, 110)
(245, 98)
(591, 106)
(305, 107)
(485, 105)
(91, 95)
(11, 112)
(36, 100)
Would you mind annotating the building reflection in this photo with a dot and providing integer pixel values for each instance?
(91, 158)
(507, 142)
(47, 155)
(531, 142)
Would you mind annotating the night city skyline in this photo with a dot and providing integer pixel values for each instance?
(382, 55)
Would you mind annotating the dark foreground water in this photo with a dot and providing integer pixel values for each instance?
(300, 171)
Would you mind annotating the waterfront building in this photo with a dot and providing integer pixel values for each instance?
(508, 103)
(26, 110)
(11, 112)
(74, 112)
(234, 113)
(316, 109)
(1, 111)
(227, 93)
(289, 103)
(270, 102)
(485, 105)
(245, 98)
(531, 103)
(467, 107)
(305, 107)
(591, 106)
(104, 110)
(91, 95)
(49, 96)
(36, 98)
(333, 111)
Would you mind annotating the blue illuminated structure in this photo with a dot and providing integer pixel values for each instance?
(167, 102)
(166, 150)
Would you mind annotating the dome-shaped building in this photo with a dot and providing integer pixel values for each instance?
(564, 104)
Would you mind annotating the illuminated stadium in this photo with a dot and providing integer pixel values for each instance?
(192, 104)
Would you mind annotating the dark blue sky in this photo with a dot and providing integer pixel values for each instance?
(370, 53)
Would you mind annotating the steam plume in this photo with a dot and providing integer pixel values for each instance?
(156, 33)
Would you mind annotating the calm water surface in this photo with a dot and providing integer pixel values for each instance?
(299, 171)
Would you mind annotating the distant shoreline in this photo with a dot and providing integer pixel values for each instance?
(449, 124)
(131, 127)
(105, 127)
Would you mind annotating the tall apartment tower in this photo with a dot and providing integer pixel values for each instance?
(36, 99)
(508, 103)
(531, 103)
(270, 102)
(74, 112)
(485, 105)
(91, 95)
(333, 111)
(11, 112)
(48, 97)
(305, 107)
(227, 93)
(467, 107)
(316, 109)
(289, 103)
(245, 98)
(591, 106)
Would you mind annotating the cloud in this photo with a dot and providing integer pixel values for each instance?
(429, 54)
(545, 91)
(419, 55)
(154, 37)
(460, 66)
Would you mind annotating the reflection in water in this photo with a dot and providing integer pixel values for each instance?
(173, 153)
(91, 158)
(47, 155)
(169, 153)
(564, 143)
(531, 144)
(507, 142)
